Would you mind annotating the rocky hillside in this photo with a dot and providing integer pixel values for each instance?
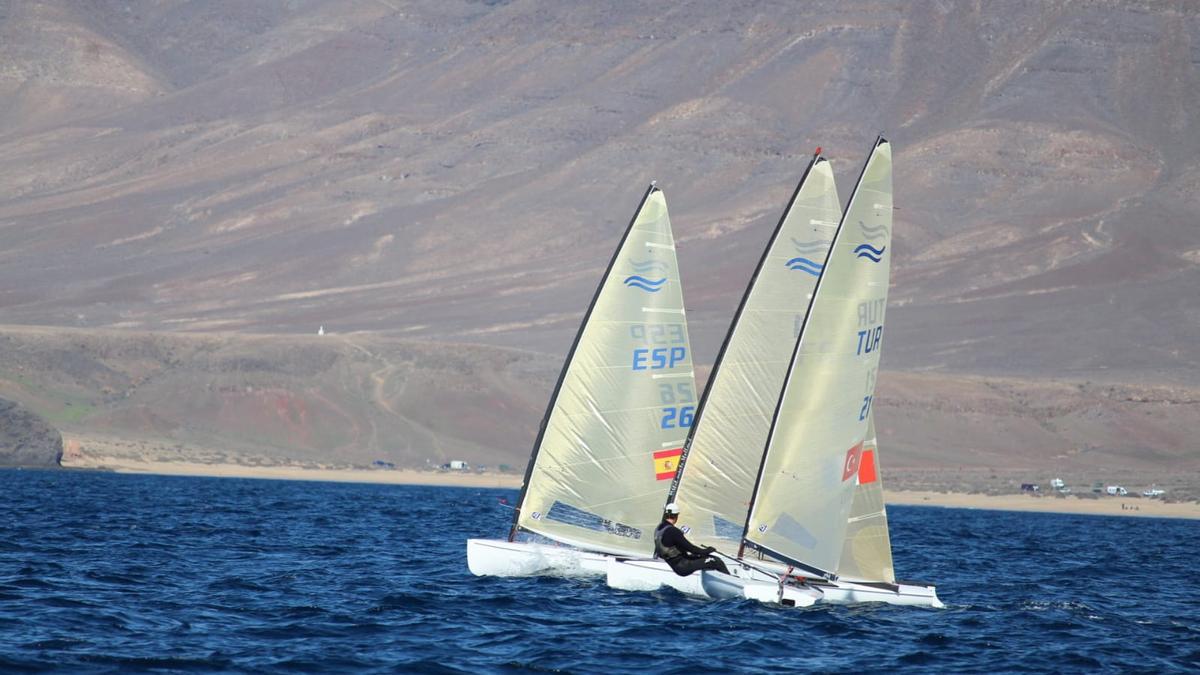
(441, 184)
(461, 170)
(26, 439)
(330, 399)
(350, 400)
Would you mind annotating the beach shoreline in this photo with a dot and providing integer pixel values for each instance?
(1100, 506)
(1104, 505)
(292, 472)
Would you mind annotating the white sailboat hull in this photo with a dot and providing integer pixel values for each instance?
(500, 558)
(650, 575)
(654, 574)
(724, 586)
(719, 585)
(913, 595)
(761, 584)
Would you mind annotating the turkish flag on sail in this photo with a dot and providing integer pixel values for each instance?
(866, 468)
(850, 466)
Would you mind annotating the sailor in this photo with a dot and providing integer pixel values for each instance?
(682, 555)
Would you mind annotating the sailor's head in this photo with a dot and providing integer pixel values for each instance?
(671, 512)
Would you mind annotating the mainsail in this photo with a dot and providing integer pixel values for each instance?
(616, 424)
(810, 470)
(867, 552)
(725, 446)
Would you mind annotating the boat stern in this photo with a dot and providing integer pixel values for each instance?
(499, 558)
(727, 586)
(650, 574)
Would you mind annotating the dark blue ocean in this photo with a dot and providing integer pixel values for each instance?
(118, 573)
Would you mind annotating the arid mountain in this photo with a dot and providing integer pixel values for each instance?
(341, 400)
(459, 172)
(26, 440)
(353, 400)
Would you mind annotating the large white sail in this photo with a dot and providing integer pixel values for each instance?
(725, 447)
(617, 421)
(867, 552)
(810, 468)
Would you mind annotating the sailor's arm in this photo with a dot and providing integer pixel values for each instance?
(685, 545)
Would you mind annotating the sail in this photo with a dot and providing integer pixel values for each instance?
(867, 552)
(626, 397)
(724, 450)
(809, 471)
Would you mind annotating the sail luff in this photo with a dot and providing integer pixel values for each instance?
(562, 374)
(792, 363)
(737, 315)
(803, 492)
(725, 445)
(618, 420)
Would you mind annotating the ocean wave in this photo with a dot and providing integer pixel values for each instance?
(345, 578)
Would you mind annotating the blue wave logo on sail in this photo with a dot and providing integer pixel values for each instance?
(873, 232)
(805, 265)
(644, 266)
(648, 285)
(815, 246)
(869, 252)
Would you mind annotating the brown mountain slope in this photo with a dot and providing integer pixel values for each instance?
(461, 171)
(26, 439)
(57, 66)
(354, 399)
(329, 399)
(458, 174)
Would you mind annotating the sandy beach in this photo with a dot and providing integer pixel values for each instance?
(1102, 506)
(283, 472)
(1108, 506)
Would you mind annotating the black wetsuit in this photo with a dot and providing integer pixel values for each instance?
(682, 555)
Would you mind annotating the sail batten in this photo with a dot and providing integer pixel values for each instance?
(724, 448)
(810, 469)
(612, 428)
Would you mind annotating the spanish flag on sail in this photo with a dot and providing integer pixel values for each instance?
(665, 463)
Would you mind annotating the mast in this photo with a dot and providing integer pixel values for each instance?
(712, 377)
(801, 341)
(537, 444)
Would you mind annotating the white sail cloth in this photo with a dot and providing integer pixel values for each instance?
(725, 448)
(867, 551)
(814, 452)
(616, 425)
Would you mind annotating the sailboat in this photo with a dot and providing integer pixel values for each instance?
(815, 514)
(615, 425)
(724, 447)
